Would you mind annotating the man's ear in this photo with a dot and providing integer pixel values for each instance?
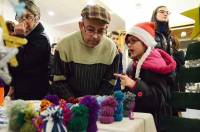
(106, 26)
(80, 23)
(37, 19)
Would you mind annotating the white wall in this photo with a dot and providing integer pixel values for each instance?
(54, 35)
(9, 14)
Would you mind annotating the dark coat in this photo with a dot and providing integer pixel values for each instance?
(30, 78)
(153, 89)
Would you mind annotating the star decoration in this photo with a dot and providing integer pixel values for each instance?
(11, 41)
(195, 15)
(5, 55)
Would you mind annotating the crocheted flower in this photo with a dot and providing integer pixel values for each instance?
(45, 104)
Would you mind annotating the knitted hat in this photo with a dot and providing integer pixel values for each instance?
(96, 12)
(93, 107)
(79, 121)
(129, 104)
(119, 96)
(53, 119)
(145, 32)
(107, 110)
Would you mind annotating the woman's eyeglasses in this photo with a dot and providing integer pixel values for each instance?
(164, 12)
(25, 17)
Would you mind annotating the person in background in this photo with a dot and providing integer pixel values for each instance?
(166, 40)
(30, 77)
(150, 77)
(52, 61)
(86, 60)
(114, 35)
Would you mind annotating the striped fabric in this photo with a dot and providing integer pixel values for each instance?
(85, 71)
(84, 79)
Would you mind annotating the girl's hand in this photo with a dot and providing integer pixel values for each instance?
(125, 80)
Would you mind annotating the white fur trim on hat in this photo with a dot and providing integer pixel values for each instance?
(143, 35)
(140, 62)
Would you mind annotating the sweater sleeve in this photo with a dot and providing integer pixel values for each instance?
(60, 85)
(108, 82)
(33, 54)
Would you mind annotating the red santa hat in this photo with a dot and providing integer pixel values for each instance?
(145, 32)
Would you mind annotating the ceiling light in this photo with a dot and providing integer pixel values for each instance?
(90, 2)
(51, 13)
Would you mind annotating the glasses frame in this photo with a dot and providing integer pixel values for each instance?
(94, 31)
(163, 12)
(25, 17)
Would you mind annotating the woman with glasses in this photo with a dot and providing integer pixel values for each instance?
(30, 77)
(164, 38)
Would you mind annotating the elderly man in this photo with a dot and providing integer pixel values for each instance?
(86, 59)
(30, 78)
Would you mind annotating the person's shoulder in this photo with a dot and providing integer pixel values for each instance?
(67, 40)
(109, 43)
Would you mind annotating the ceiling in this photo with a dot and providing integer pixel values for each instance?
(124, 13)
(67, 12)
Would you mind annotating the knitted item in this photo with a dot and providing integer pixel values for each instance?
(79, 121)
(72, 100)
(29, 114)
(129, 104)
(45, 104)
(38, 123)
(100, 99)
(53, 99)
(107, 110)
(93, 106)
(53, 120)
(67, 115)
(16, 115)
(119, 96)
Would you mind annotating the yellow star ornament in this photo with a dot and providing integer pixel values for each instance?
(195, 15)
(11, 41)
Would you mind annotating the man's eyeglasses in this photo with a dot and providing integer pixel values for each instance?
(92, 31)
(25, 17)
(163, 12)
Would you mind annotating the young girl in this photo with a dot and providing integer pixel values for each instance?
(152, 69)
